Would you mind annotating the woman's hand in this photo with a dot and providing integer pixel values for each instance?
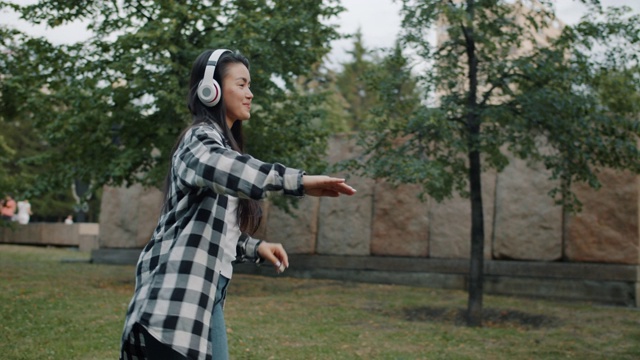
(321, 185)
(275, 254)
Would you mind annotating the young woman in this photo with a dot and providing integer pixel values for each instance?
(209, 212)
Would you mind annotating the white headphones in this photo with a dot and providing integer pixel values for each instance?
(209, 91)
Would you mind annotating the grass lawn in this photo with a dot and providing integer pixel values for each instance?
(54, 305)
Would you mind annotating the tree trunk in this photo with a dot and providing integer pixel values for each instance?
(476, 278)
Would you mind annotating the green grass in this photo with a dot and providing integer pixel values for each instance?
(54, 306)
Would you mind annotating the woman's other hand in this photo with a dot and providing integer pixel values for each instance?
(275, 254)
(322, 185)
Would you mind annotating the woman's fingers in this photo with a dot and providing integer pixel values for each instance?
(321, 185)
(343, 188)
(275, 254)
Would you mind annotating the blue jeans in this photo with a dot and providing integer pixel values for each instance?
(218, 333)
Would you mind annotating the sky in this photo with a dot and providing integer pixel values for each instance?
(379, 21)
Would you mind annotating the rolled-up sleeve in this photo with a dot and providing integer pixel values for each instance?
(202, 161)
(247, 250)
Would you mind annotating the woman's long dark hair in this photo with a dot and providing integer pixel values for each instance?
(249, 210)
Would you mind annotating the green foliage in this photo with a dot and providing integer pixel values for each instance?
(109, 109)
(569, 102)
(370, 83)
(351, 82)
(22, 162)
(321, 82)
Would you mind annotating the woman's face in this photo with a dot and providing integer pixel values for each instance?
(236, 93)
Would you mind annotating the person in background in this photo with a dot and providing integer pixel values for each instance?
(210, 211)
(24, 212)
(8, 209)
(69, 220)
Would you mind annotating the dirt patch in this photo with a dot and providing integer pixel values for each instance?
(491, 317)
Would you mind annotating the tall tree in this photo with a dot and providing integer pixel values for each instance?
(505, 78)
(322, 80)
(22, 142)
(110, 108)
(351, 81)
(393, 91)
(19, 141)
(373, 76)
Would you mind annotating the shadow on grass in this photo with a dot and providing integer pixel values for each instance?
(491, 317)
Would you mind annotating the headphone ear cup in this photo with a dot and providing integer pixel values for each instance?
(209, 92)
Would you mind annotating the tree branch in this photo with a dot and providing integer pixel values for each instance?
(139, 7)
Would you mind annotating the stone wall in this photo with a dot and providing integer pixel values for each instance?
(521, 220)
(522, 226)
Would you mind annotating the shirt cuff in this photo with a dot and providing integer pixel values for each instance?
(251, 249)
(292, 182)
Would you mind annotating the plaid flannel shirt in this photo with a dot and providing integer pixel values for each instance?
(178, 269)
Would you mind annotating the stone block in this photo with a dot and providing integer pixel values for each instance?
(88, 228)
(344, 224)
(450, 223)
(128, 216)
(606, 230)
(296, 231)
(59, 233)
(114, 211)
(88, 235)
(528, 225)
(87, 243)
(400, 221)
(150, 201)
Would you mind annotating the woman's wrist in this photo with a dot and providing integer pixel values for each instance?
(259, 259)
